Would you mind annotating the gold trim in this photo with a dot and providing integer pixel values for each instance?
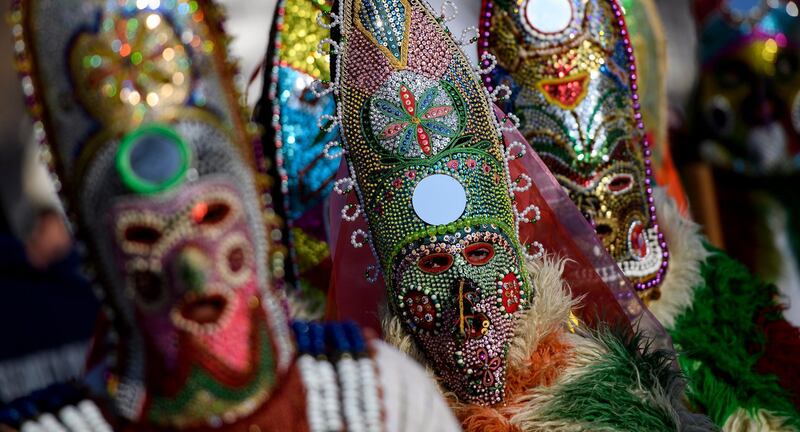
(402, 63)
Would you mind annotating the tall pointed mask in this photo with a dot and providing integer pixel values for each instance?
(427, 163)
(145, 133)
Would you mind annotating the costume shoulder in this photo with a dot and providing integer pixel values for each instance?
(711, 304)
(57, 408)
(358, 383)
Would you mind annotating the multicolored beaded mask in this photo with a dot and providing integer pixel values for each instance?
(749, 90)
(147, 138)
(571, 74)
(427, 162)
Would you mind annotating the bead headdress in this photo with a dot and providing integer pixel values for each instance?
(725, 25)
(428, 166)
(145, 133)
(570, 69)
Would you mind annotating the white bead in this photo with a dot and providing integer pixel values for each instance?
(32, 426)
(50, 423)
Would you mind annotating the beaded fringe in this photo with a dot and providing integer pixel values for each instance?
(23, 375)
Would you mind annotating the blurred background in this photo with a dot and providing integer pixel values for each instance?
(721, 98)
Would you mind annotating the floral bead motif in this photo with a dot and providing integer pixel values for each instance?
(414, 116)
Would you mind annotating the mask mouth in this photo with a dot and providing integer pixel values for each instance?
(203, 312)
(205, 309)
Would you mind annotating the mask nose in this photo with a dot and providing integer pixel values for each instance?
(192, 269)
(589, 207)
(471, 324)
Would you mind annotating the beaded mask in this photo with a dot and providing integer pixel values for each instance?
(749, 90)
(572, 79)
(146, 136)
(427, 163)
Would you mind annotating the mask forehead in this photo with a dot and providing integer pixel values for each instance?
(574, 89)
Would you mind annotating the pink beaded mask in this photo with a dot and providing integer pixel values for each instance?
(144, 129)
(189, 268)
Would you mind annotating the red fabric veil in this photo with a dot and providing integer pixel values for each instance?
(590, 272)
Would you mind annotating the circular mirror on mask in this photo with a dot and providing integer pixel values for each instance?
(152, 159)
(439, 199)
(548, 16)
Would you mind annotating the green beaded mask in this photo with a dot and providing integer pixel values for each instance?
(427, 162)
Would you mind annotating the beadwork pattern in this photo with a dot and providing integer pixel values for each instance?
(574, 91)
(407, 124)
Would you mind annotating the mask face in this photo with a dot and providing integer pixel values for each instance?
(571, 87)
(459, 294)
(188, 264)
(750, 101)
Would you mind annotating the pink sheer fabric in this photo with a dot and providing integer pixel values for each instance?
(563, 232)
(590, 272)
(351, 296)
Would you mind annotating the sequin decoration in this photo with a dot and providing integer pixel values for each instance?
(574, 91)
(130, 65)
(423, 123)
(305, 168)
(414, 116)
(386, 24)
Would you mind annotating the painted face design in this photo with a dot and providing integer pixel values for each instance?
(459, 294)
(189, 269)
(749, 93)
(572, 88)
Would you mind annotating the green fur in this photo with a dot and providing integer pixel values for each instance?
(630, 388)
(720, 343)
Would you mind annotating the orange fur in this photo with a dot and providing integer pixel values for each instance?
(551, 357)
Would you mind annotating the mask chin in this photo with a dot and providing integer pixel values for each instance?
(459, 294)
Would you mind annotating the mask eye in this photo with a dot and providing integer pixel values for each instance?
(235, 259)
(435, 263)
(620, 183)
(142, 235)
(479, 254)
(210, 214)
(147, 286)
(733, 74)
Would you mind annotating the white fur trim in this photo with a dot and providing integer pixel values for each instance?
(761, 421)
(686, 255)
